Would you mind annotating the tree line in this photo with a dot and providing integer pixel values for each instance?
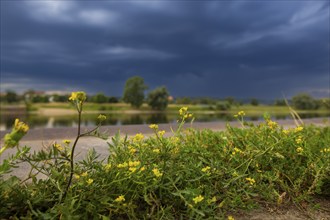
(159, 98)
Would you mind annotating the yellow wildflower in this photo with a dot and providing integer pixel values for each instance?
(299, 128)
(175, 140)
(89, 181)
(156, 151)
(12, 139)
(132, 169)
(84, 174)
(76, 176)
(161, 133)
(299, 150)
(206, 169)
(20, 126)
(153, 126)
(138, 137)
(73, 96)
(78, 96)
(132, 150)
(237, 150)
(271, 124)
(120, 198)
(183, 111)
(286, 131)
(299, 140)
(198, 199)
(230, 217)
(241, 113)
(134, 163)
(122, 165)
(214, 199)
(58, 147)
(101, 118)
(107, 167)
(66, 141)
(325, 150)
(157, 173)
(250, 180)
(142, 168)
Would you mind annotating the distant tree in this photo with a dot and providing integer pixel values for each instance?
(223, 105)
(279, 102)
(304, 101)
(230, 100)
(254, 102)
(158, 98)
(113, 99)
(134, 91)
(40, 99)
(204, 101)
(100, 98)
(11, 96)
(183, 101)
(233, 102)
(60, 98)
(325, 103)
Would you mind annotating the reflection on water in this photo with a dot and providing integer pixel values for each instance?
(37, 121)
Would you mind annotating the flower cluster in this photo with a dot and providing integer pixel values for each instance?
(157, 173)
(325, 150)
(120, 198)
(153, 126)
(198, 199)
(184, 113)
(78, 96)
(102, 117)
(240, 113)
(138, 138)
(12, 139)
(206, 169)
(272, 124)
(251, 181)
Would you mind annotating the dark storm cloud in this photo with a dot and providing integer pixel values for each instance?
(212, 48)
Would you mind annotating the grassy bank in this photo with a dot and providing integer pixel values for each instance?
(172, 108)
(190, 175)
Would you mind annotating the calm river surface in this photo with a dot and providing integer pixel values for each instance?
(39, 121)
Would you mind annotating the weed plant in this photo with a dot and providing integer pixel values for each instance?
(192, 174)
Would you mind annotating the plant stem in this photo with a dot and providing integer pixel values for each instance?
(72, 155)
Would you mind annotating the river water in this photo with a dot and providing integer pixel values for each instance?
(39, 121)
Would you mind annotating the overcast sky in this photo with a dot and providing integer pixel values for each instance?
(195, 48)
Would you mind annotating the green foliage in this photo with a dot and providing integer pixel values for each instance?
(59, 98)
(192, 174)
(325, 103)
(223, 105)
(183, 101)
(100, 98)
(11, 97)
(40, 99)
(134, 91)
(304, 102)
(279, 102)
(254, 102)
(158, 98)
(113, 99)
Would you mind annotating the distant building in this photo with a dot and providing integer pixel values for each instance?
(56, 92)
